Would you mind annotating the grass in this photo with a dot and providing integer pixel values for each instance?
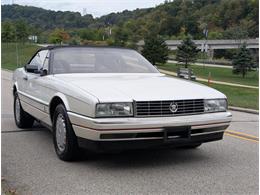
(217, 74)
(9, 57)
(238, 96)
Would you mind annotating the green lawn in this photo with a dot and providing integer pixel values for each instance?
(218, 74)
(238, 96)
(9, 57)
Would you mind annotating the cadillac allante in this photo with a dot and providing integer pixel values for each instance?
(105, 98)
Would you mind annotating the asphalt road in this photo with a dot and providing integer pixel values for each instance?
(30, 165)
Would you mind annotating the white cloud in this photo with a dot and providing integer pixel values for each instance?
(94, 7)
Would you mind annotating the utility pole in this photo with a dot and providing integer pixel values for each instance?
(205, 48)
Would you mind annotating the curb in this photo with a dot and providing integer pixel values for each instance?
(251, 111)
(11, 71)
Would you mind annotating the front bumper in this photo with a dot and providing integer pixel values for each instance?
(106, 146)
(152, 128)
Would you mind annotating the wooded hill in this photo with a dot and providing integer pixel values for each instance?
(173, 19)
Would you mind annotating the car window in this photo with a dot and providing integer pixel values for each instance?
(39, 59)
(99, 60)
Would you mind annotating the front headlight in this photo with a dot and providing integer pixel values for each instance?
(215, 105)
(114, 109)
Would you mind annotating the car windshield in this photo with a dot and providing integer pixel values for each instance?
(99, 60)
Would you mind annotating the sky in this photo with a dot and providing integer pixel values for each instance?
(95, 7)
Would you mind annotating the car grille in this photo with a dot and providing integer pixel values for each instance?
(162, 108)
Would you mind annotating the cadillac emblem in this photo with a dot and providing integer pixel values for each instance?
(173, 107)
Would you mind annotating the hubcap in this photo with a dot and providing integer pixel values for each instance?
(17, 110)
(61, 132)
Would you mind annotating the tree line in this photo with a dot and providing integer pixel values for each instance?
(15, 31)
(233, 19)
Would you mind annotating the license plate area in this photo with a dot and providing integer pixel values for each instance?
(176, 134)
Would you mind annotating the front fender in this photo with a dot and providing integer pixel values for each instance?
(76, 105)
(63, 98)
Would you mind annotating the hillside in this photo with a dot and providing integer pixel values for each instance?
(48, 19)
(173, 19)
(45, 19)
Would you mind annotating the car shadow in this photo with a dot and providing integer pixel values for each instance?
(143, 158)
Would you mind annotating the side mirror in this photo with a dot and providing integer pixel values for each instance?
(31, 68)
(43, 72)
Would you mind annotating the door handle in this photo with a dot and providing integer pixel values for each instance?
(25, 78)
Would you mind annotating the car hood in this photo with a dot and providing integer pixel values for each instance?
(139, 87)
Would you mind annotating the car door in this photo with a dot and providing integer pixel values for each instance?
(32, 90)
(39, 85)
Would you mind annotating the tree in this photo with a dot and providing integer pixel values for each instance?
(22, 31)
(238, 33)
(242, 61)
(155, 49)
(8, 32)
(187, 51)
(58, 36)
(87, 34)
(120, 36)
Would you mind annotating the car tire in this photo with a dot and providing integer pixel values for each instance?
(22, 118)
(191, 146)
(64, 138)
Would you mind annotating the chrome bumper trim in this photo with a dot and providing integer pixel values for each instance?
(95, 135)
(206, 133)
(91, 128)
(132, 123)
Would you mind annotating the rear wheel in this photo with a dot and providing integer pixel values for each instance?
(22, 118)
(64, 138)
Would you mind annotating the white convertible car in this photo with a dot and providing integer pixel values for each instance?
(105, 98)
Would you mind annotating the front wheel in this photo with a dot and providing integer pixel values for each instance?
(64, 138)
(22, 118)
